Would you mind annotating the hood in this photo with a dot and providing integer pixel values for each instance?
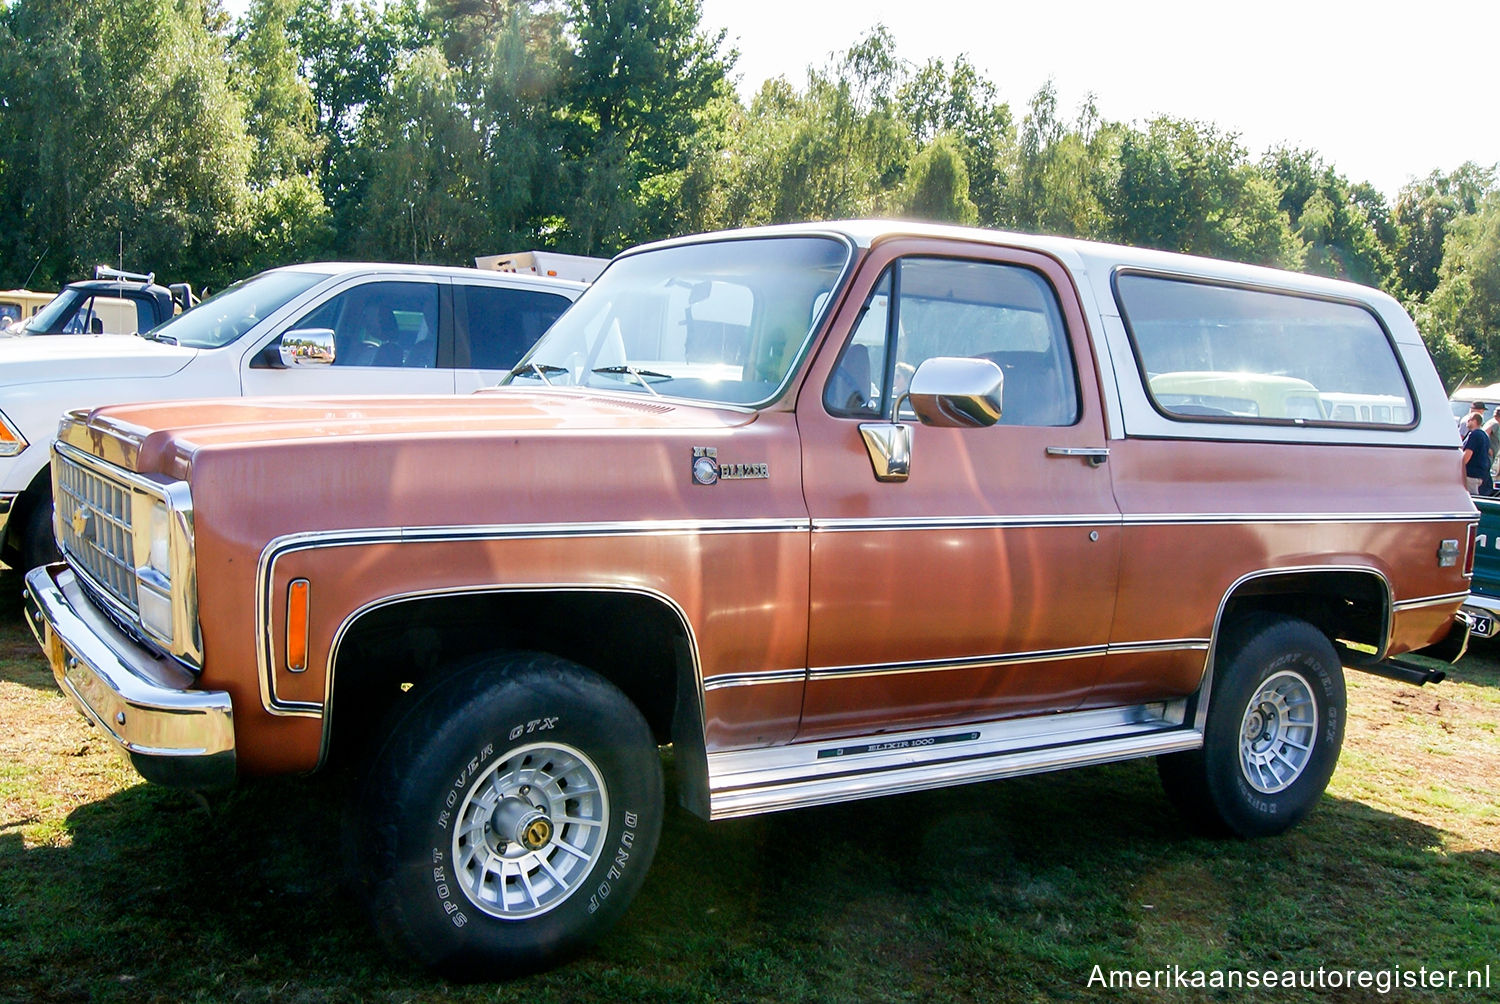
(54, 358)
(163, 436)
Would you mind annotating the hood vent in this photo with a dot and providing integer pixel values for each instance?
(649, 407)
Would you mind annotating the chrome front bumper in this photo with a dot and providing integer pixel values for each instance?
(173, 735)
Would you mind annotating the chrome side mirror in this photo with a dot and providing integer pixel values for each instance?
(307, 347)
(956, 393)
(946, 392)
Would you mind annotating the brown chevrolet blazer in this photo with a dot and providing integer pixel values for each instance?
(836, 510)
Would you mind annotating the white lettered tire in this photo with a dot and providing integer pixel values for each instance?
(509, 819)
(1274, 730)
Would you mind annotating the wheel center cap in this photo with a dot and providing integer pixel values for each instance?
(520, 822)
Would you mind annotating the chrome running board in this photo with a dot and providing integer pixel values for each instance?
(744, 782)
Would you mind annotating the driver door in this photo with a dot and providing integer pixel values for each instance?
(983, 585)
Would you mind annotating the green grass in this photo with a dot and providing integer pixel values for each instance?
(113, 890)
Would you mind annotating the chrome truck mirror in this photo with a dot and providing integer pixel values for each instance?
(307, 347)
(946, 392)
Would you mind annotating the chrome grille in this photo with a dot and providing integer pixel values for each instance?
(94, 515)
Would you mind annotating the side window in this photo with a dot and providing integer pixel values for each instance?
(503, 322)
(854, 390)
(1226, 352)
(929, 307)
(391, 324)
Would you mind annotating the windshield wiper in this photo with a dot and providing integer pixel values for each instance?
(540, 369)
(155, 336)
(639, 374)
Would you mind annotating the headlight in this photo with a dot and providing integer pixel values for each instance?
(159, 553)
(154, 578)
(11, 440)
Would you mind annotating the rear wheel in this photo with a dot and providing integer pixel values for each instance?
(510, 818)
(1275, 726)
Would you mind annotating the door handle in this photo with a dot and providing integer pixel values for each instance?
(1095, 455)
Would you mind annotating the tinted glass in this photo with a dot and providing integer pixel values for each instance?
(392, 324)
(505, 322)
(1225, 352)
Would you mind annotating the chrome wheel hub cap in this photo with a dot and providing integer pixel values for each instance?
(529, 830)
(1278, 732)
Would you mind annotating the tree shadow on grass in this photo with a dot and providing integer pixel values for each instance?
(1014, 889)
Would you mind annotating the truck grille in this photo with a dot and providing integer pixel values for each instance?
(94, 515)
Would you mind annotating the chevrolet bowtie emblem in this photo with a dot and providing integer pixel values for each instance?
(81, 520)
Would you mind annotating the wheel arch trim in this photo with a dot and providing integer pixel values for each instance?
(1205, 690)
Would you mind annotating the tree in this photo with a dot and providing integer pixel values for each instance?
(349, 50)
(1460, 320)
(122, 137)
(1184, 186)
(279, 112)
(1060, 172)
(424, 200)
(937, 184)
(835, 150)
(962, 105)
(1342, 231)
(1424, 211)
(642, 76)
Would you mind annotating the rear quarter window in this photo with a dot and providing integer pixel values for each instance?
(1213, 352)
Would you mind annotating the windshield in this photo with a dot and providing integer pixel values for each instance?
(50, 317)
(231, 312)
(722, 321)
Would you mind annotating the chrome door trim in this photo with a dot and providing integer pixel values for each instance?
(819, 673)
(726, 680)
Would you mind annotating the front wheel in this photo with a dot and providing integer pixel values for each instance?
(511, 818)
(1275, 726)
(37, 545)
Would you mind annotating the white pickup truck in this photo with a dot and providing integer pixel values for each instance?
(378, 329)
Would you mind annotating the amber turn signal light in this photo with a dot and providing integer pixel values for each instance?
(296, 625)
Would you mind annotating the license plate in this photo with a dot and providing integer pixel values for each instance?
(1481, 625)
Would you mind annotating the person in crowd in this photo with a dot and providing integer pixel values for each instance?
(1475, 408)
(1476, 455)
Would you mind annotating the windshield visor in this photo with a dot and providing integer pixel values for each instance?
(230, 313)
(723, 321)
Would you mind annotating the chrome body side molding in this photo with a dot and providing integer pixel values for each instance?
(744, 782)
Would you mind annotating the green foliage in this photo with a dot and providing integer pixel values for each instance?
(964, 106)
(1185, 186)
(837, 149)
(1461, 318)
(937, 185)
(1060, 172)
(121, 137)
(423, 203)
(279, 113)
(1424, 211)
(1345, 233)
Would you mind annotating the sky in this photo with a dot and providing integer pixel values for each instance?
(1384, 91)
